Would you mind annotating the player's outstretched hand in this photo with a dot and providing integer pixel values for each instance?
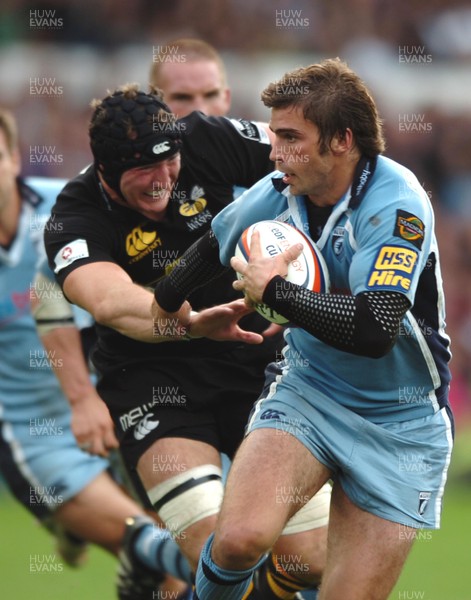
(221, 323)
(218, 323)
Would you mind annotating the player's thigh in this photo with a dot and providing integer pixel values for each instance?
(365, 552)
(267, 469)
(171, 456)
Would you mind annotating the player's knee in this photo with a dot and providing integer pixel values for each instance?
(241, 546)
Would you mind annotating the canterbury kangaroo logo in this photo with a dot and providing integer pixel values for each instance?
(145, 426)
(272, 414)
(139, 240)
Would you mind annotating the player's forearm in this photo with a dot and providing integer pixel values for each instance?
(65, 346)
(61, 339)
(128, 312)
(110, 296)
(367, 324)
(198, 266)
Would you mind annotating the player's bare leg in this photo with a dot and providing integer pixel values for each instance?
(181, 456)
(289, 551)
(365, 553)
(98, 513)
(247, 530)
(286, 573)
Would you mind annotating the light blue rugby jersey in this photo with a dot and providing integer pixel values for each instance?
(28, 387)
(385, 242)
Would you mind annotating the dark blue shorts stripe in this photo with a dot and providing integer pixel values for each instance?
(19, 486)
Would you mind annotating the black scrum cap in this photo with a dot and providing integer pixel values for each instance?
(130, 130)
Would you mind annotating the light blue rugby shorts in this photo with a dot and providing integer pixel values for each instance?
(42, 463)
(395, 470)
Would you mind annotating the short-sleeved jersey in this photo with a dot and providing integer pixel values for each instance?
(28, 387)
(382, 240)
(217, 154)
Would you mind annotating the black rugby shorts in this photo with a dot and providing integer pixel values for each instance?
(207, 399)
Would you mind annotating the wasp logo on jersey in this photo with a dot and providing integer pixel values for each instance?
(196, 209)
(140, 243)
(195, 205)
(410, 228)
(393, 269)
(192, 207)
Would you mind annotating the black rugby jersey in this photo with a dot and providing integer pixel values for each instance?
(217, 154)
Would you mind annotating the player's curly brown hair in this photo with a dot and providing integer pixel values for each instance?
(335, 99)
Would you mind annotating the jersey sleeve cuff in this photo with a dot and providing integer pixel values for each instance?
(277, 293)
(167, 296)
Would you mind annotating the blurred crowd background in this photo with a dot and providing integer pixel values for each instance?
(56, 56)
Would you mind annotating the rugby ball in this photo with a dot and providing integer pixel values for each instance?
(308, 270)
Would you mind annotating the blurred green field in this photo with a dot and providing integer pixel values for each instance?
(439, 567)
(24, 544)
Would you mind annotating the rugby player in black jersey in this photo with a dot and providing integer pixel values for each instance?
(177, 401)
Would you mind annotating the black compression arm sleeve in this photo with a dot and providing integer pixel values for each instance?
(367, 324)
(199, 265)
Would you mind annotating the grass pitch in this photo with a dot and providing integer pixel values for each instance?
(32, 569)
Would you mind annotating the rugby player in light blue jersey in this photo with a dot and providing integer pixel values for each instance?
(66, 488)
(365, 376)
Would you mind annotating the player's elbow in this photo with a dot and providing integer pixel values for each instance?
(105, 312)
